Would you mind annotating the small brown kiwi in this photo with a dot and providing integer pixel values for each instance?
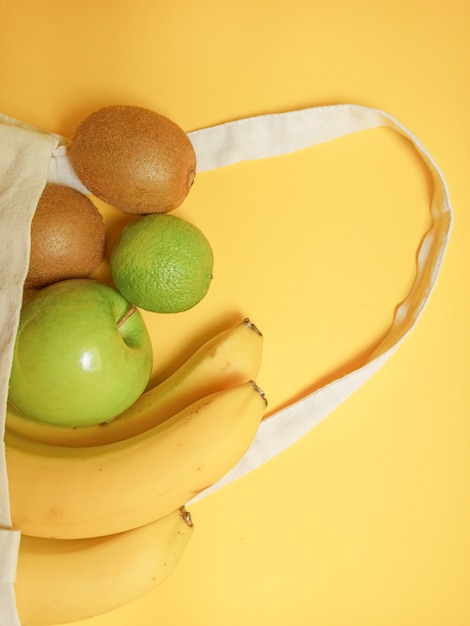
(68, 237)
(133, 159)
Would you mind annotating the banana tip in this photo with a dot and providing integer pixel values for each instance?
(257, 388)
(250, 324)
(186, 516)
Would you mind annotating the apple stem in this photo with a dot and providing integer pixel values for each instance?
(132, 309)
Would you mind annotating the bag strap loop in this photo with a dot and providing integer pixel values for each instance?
(265, 136)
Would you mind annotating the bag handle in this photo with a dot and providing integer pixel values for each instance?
(265, 136)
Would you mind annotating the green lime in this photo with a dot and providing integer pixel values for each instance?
(162, 263)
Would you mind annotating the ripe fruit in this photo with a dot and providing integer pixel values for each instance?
(82, 354)
(61, 581)
(70, 493)
(229, 358)
(162, 263)
(67, 237)
(134, 159)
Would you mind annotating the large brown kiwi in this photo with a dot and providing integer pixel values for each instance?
(68, 237)
(133, 159)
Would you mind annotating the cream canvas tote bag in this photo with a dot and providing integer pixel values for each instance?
(30, 157)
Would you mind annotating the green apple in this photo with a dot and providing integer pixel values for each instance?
(82, 354)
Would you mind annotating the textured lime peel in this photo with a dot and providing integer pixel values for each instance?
(162, 264)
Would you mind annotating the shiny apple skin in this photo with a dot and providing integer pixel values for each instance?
(73, 363)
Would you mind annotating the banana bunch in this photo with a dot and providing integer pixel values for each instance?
(101, 508)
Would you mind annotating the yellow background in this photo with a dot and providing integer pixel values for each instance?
(366, 521)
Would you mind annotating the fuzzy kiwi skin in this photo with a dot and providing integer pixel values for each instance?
(133, 159)
(68, 238)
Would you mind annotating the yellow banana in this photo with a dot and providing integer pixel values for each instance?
(68, 580)
(65, 492)
(229, 358)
